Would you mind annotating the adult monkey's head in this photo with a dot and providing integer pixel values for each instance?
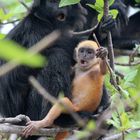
(68, 17)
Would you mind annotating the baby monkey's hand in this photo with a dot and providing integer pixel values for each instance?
(101, 52)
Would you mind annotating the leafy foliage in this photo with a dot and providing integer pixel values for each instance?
(138, 1)
(129, 96)
(12, 9)
(98, 6)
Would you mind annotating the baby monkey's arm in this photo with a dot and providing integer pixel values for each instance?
(102, 53)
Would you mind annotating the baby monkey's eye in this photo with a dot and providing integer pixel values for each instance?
(81, 50)
(89, 52)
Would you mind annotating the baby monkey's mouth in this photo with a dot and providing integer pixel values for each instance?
(83, 63)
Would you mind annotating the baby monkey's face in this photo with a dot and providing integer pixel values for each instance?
(86, 57)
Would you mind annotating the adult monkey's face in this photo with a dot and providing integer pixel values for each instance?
(69, 17)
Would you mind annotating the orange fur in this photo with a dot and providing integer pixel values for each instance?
(87, 90)
(62, 135)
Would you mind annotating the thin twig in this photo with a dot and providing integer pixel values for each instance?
(21, 1)
(131, 57)
(41, 45)
(119, 74)
(109, 37)
(53, 100)
(10, 22)
(127, 64)
(126, 52)
(85, 32)
(112, 74)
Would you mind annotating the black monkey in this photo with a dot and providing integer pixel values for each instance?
(126, 34)
(131, 3)
(16, 94)
(55, 77)
(130, 34)
(41, 20)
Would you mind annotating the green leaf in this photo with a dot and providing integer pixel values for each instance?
(68, 2)
(82, 134)
(100, 3)
(111, 2)
(12, 51)
(124, 121)
(4, 16)
(109, 86)
(114, 121)
(96, 7)
(91, 125)
(2, 36)
(130, 76)
(138, 1)
(114, 13)
(136, 79)
(100, 16)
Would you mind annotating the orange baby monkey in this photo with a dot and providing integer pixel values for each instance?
(86, 86)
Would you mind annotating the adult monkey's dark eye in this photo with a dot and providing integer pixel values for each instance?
(61, 17)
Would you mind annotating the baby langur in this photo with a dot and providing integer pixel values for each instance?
(86, 86)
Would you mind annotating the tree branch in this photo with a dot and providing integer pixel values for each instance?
(88, 31)
(18, 119)
(8, 128)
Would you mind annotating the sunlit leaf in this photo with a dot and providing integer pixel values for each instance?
(114, 13)
(12, 51)
(125, 124)
(68, 2)
(2, 36)
(100, 16)
(111, 2)
(100, 3)
(96, 7)
(91, 125)
(138, 1)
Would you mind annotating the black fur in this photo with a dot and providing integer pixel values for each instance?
(130, 33)
(16, 94)
(14, 86)
(125, 32)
